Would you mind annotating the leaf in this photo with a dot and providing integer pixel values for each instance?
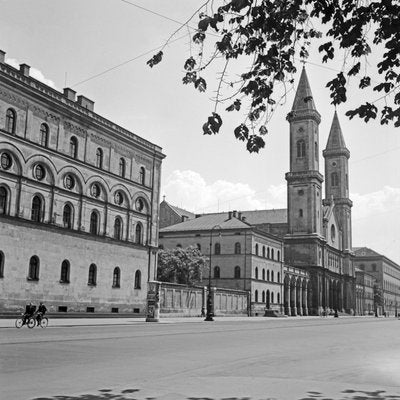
(355, 69)
(200, 84)
(263, 130)
(365, 111)
(199, 37)
(365, 82)
(241, 132)
(212, 125)
(234, 106)
(189, 64)
(155, 59)
(255, 143)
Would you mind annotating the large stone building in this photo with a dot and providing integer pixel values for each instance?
(386, 275)
(79, 202)
(311, 240)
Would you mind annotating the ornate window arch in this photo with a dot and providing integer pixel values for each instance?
(118, 228)
(99, 158)
(11, 121)
(139, 233)
(37, 209)
(73, 147)
(68, 213)
(94, 223)
(3, 200)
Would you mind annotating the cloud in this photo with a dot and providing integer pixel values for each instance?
(34, 73)
(189, 190)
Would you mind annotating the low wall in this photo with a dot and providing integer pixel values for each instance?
(189, 301)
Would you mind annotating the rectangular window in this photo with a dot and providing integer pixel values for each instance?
(114, 310)
(90, 309)
(62, 308)
(136, 310)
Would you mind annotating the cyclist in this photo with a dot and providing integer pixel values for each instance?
(40, 313)
(29, 311)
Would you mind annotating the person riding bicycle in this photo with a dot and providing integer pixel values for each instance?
(40, 313)
(29, 311)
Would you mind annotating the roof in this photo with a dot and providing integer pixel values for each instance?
(181, 212)
(258, 217)
(304, 99)
(207, 222)
(335, 139)
(365, 252)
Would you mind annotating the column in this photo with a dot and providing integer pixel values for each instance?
(287, 298)
(293, 296)
(299, 304)
(305, 298)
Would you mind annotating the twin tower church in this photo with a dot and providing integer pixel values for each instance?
(298, 260)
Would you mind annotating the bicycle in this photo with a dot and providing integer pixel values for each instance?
(41, 321)
(30, 322)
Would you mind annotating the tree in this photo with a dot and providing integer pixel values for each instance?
(378, 298)
(271, 35)
(179, 265)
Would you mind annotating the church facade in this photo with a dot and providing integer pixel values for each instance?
(79, 202)
(314, 232)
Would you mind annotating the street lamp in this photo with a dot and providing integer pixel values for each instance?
(210, 305)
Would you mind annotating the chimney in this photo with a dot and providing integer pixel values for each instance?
(24, 69)
(230, 215)
(239, 215)
(197, 215)
(86, 103)
(69, 94)
(234, 213)
(244, 219)
(2, 56)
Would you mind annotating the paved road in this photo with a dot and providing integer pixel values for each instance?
(284, 359)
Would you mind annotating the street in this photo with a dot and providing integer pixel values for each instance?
(293, 359)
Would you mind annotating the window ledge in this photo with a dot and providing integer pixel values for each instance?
(91, 284)
(64, 282)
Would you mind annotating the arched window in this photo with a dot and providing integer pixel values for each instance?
(272, 276)
(217, 272)
(33, 274)
(122, 167)
(316, 151)
(99, 158)
(73, 147)
(217, 248)
(333, 233)
(138, 234)
(67, 216)
(94, 223)
(3, 200)
(116, 278)
(92, 280)
(142, 175)
(256, 273)
(268, 252)
(237, 272)
(44, 135)
(278, 298)
(11, 119)
(279, 280)
(256, 249)
(272, 254)
(279, 256)
(263, 296)
(301, 148)
(237, 248)
(36, 211)
(256, 296)
(64, 277)
(263, 251)
(1, 264)
(138, 279)
(272, 297)
(263, 274)
(334, 179)
(118, 228)
(267, 275)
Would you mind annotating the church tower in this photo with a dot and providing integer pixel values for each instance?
(337, 180)
(304, 179)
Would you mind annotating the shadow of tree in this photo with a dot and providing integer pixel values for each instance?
(108, 394)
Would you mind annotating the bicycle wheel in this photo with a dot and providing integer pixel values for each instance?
(31, 323)
(44, 322)
(19, 322)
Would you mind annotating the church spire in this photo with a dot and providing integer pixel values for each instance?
(335, 139)
(304, 98)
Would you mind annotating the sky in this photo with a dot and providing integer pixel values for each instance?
(100, 47)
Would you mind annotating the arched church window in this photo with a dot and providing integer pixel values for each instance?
(334, 179)
(301, 148)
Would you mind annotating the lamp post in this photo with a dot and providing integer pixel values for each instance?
(210, 306)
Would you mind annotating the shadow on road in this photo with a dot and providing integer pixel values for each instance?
(132, 394)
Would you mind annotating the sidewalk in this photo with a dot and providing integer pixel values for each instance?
(70, 322)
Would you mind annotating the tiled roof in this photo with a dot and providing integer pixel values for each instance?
(181, 211)
(207, 222)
